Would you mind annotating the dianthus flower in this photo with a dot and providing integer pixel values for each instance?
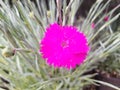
(64, 46)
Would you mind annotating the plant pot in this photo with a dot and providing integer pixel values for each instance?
(111, 80)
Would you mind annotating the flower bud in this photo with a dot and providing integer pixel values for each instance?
(48, 13)
(93, 25)
(106, 18)
(8, 52)
(31, 14)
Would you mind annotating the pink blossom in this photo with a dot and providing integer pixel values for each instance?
(106, 18)
(64, 46)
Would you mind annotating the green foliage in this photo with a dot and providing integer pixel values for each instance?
(23, 26)
(112, 64)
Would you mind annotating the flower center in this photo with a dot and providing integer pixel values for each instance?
(64, 44)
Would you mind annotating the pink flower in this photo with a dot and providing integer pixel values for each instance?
(93, 25)
(64, 46)
(106, 18)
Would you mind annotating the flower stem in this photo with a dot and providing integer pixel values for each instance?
(59, 15)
